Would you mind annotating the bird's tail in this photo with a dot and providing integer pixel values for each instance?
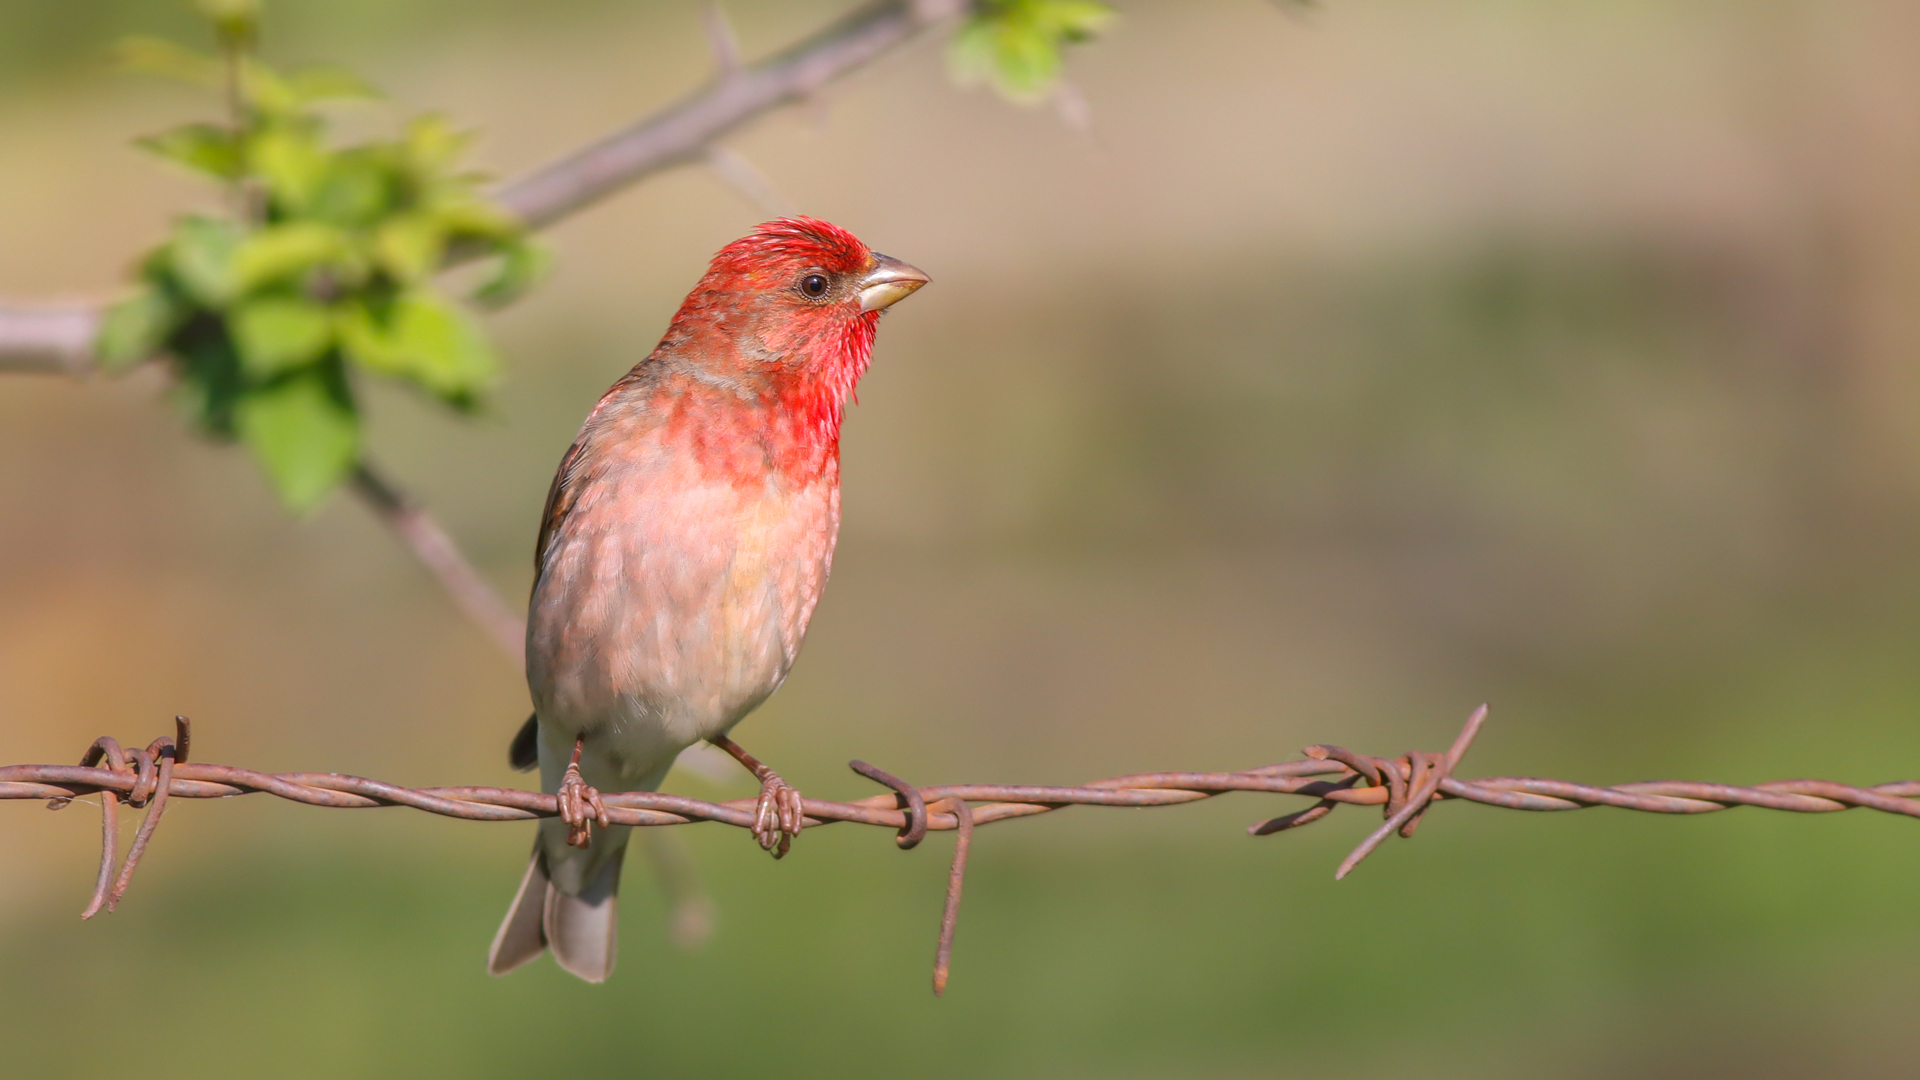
(582, 930)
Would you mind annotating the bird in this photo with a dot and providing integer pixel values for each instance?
(685, 541)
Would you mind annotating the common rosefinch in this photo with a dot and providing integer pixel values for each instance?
(685, 541)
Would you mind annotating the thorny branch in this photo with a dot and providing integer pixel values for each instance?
(58, 339)
(684, 130)
(1404, 788)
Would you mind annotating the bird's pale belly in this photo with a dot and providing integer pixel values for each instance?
(673, 642)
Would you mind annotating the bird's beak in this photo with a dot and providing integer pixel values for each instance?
(888, 281)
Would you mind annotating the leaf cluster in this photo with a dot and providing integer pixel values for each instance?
(1017, 45)
(319, 273)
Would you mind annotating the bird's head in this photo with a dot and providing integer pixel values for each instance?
(810, 271)
(800, 296)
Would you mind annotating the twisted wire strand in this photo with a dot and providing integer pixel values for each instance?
(1404, 788)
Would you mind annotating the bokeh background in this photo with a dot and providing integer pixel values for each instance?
(1355, 368)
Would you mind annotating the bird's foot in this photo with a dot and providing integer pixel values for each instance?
(579, 804)
(778, 817)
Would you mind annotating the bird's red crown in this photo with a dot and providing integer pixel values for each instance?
(787, 245)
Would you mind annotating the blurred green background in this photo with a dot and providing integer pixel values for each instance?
(1355, 368)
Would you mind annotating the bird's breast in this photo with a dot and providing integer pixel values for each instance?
(672, 603)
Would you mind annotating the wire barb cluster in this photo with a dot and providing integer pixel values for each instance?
(151, 773)
(1404, 788)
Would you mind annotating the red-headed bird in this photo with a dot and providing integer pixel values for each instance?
(685, 541)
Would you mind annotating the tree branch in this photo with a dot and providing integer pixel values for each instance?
(750, 182)
(682, 132)
(48, 339)
(441, 556)
(720, 39)
(58, 339)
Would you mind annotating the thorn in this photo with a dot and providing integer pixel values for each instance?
(720, 40)
(740, 175)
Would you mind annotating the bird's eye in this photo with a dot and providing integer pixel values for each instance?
(814, 285)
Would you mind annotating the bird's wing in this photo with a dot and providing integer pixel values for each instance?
(568, 477)
(560, 499)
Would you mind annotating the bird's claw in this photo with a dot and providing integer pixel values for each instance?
(579, 804)
(778, 817)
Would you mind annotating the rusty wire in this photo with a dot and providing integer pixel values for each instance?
(1404, 788)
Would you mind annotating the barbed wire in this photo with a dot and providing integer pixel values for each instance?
(1404, 788)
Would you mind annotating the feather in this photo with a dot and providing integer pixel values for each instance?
(520, 937)
(583, 930)
(524, 753)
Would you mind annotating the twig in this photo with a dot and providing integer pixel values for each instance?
(683, 131)
(49, 340)
(750, 182)
(1402, 787)
(721, 41)
(437, 551)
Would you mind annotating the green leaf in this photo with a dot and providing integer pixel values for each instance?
(409, 246)
(421, 338)
(157, 56)
(291, 160)
(201, 147)
(358, 188)
(433, 144)
(305, 432)
(265, 90)
(1075, 21)
(465, 215)
(201, 255)
(523, 265)
(324, 82)
(210, 383)
(1016, 44)
(286, 252)
(134, 329)
(275, 334)
(325, 266)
